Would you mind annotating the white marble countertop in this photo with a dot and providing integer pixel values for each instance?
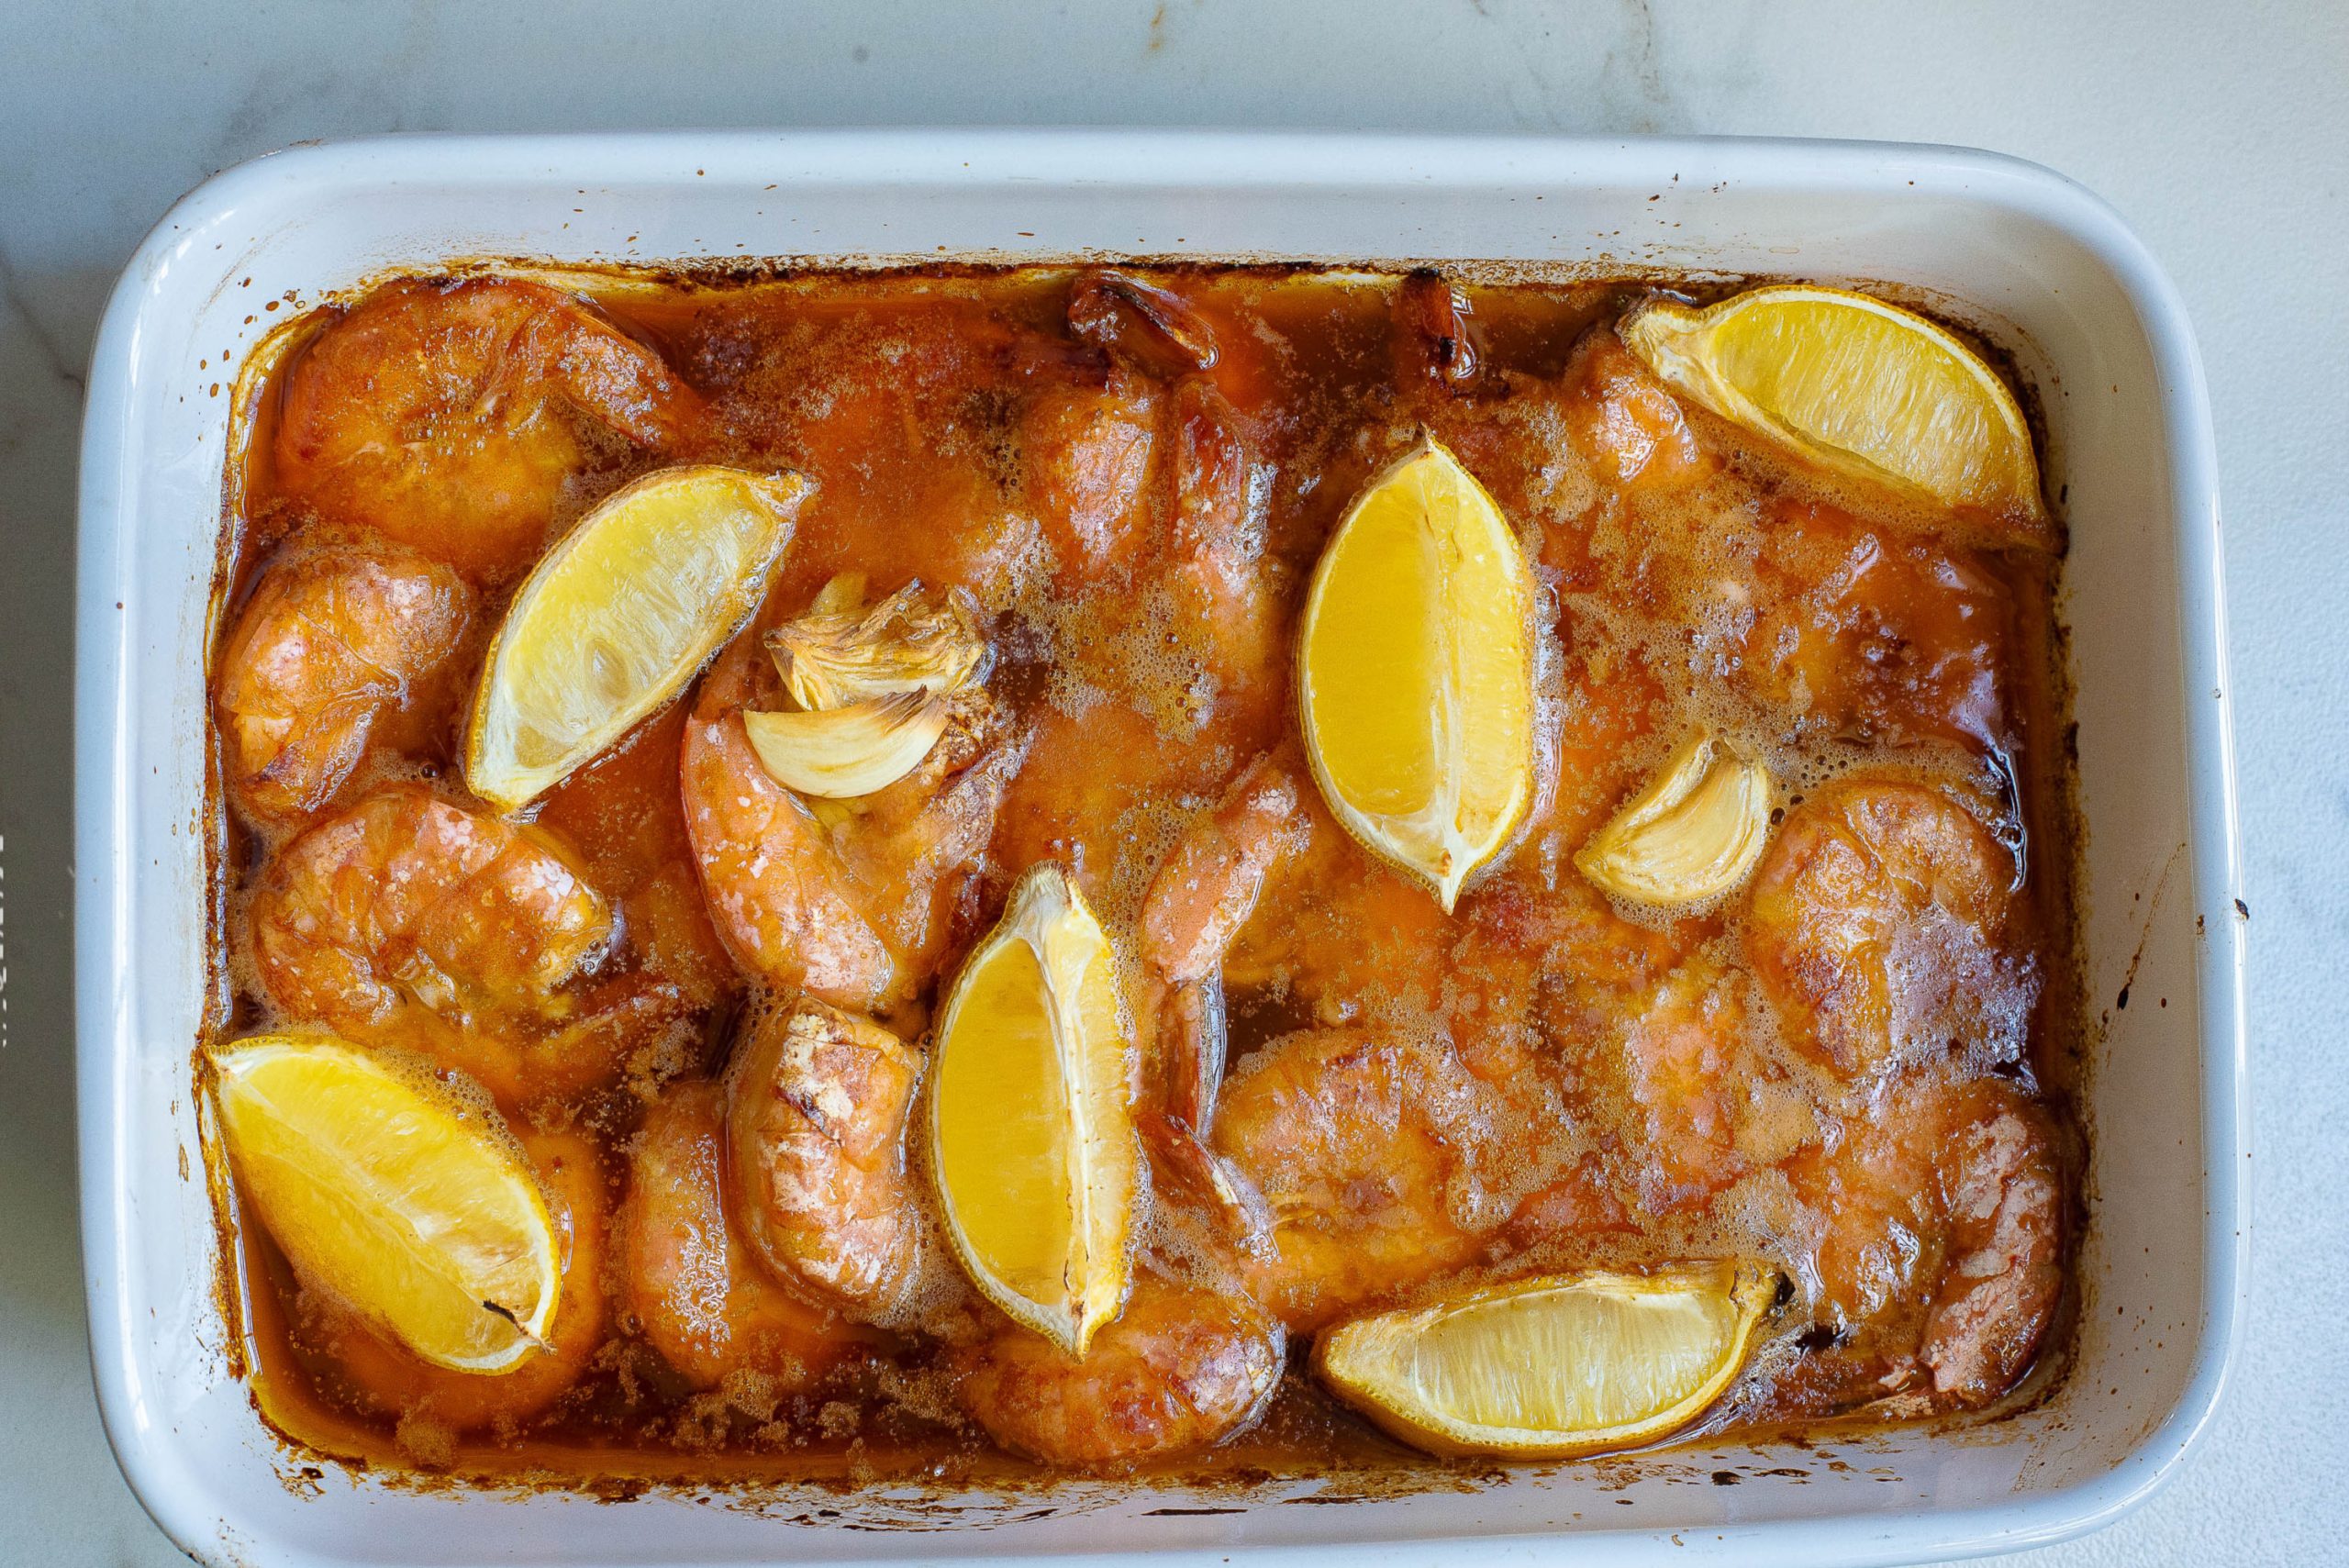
(2217, 130)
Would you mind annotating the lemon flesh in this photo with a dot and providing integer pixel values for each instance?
(1031, 1128)
(1858, 387)
(1554, 1367)
(619, 616)
(396, 1197)
(1415, 671)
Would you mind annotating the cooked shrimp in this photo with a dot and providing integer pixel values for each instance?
(1879, 927)
(1197, 905)
(1864, 630)
(1708, 1106)
(1151, 473)
(689, 1282)
(854, 905)
(1085, 465)
(1228, 598)
(816, 1109)
(440, 413)
(389, 1379)
(1182, 1369)
(1636, 430)
(412, 919)
(1384, 1160)
(333, 648)
(1198, 901)
(1337, 935)
(1941, 1260)
(1436, 340)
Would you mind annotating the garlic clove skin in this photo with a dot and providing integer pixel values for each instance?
(841, 653)
(1692, 834)
(840, 753)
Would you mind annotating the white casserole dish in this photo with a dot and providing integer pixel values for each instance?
(2034, 262)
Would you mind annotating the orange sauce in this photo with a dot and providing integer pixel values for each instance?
(1707, 584)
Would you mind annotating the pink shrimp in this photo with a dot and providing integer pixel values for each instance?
(414, 920)
(439, 414)
(853, 906)
(688, 1279)
(816, 1107)
(1941, 1265)
(336, 649)
(1881, 926)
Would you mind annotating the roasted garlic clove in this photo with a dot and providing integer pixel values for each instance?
(1691, 835)
(839, 753)
(843, 594)
(841, 653)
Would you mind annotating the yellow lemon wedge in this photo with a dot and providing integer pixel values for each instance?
(619, 616)
(398, 1198)
(1031, 1133)
(1552, 1367)
(1415, 672)
(1860, 388)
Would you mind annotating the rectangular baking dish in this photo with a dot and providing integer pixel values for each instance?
(2032, 261)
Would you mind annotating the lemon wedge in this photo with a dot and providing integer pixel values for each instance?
(395, 1197)
(1552, 1367)
(619, 616)
(1692, 834)
(1415, 672)
(1032, 1132)
(1858, 387)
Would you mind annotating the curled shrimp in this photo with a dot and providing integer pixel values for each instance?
(1151, 473)
(853, 905)
(387, 1378)
(1707, 1106)
(689, 1282)
(1879, 926)
(1940, 1263)
(450, 416)
(816, 1109)
(1183, 1368)
(1194, 909)
(1197, 903)
(1384, 1159)
(333, 650)
(410, 919)
(1866, 630)
(1226, 600)
(1086, 453)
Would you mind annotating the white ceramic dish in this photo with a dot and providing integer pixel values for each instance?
(2034, 262)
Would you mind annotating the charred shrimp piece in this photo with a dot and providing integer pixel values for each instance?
(816, 1107)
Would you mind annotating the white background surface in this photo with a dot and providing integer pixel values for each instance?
(2220, 131)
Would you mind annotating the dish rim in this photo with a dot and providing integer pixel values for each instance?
(106, 882)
